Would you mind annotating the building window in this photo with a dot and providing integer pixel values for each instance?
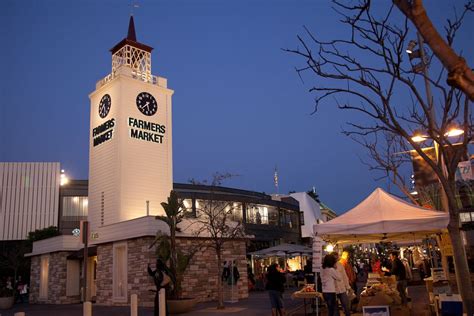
(259, 214)
(44, 277)
(289, 219)
(188, 204)
(73, 276)
(75, 208)
(236, 214)
(294, 216)
(273, 216)
(120, 272)
(232, 210)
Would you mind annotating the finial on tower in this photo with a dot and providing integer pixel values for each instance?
(131, 30)
(131, 39)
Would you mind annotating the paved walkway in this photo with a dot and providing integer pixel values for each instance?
(257, 304)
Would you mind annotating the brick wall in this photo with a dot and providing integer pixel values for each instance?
(34, 279)
(200, 279)
(139, 282)
(56, 280)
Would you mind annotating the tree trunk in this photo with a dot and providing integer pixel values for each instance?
(176, 293)
(459, 73)
(463, 276)
(220, 292)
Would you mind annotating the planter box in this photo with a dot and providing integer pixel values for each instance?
(181, 306)
(6, 302)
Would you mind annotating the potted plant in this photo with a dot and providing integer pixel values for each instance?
(7, 298)
(176, 259)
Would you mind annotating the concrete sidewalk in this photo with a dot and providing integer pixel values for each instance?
(258, 303)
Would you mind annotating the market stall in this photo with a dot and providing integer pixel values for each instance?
(293, 256)
(290, 257)
(382, 217)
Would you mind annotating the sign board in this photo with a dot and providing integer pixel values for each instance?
(442, 287)
(317, 254)
(438, 274)
(465, 171)
(375, 311)
(445, 245)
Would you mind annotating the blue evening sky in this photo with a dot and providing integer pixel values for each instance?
(238, 106)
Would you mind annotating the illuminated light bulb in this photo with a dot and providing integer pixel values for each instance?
(418, 138)
(63, 179)
(329, 248)
(454, 132)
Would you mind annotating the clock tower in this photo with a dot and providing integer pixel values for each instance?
(130, 147)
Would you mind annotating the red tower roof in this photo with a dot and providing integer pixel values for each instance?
(131, 39)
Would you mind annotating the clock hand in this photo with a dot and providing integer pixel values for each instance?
(146, 104)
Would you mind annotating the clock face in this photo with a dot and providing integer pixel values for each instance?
(146, 103)
(104, 105)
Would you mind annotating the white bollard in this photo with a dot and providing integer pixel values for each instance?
(134, 305)
(18, 314)
(87, 309)
(162, 301)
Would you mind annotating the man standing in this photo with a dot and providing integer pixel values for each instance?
(342, 286)
(398, 270)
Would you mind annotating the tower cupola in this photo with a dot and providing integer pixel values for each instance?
(131, 53)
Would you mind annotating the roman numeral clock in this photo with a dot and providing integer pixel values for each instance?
(130, 159)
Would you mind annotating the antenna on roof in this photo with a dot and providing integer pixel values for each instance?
(275, 179)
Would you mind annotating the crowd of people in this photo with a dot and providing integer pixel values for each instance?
(18, 287)
(340, 280)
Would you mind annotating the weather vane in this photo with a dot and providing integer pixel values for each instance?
(133, 4)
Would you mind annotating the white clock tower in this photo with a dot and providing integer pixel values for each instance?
(130, 163)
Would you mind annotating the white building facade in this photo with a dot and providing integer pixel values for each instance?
(130, 175)
(29, 198)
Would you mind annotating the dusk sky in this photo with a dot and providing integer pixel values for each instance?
(238, 107)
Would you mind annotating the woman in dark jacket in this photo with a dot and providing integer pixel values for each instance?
(275, 287)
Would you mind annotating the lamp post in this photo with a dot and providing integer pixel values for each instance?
(423, 67)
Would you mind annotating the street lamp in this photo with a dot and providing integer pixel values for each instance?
(418, 53)
(63, 180)
(419, 136)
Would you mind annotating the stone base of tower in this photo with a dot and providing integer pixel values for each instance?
(60, 284)
(57, 283)
(200, 278)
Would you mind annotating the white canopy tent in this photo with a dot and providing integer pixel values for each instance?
(382, 217)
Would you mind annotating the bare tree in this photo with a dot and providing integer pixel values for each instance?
(459, 73)
(214, 218)
(387, 157)
(368, 73)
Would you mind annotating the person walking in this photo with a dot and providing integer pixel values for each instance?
(398, 270)
(329, 277)
(375, 264)
(342, 287)
(275, 287)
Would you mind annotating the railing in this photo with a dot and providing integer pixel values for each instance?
(142, 77)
